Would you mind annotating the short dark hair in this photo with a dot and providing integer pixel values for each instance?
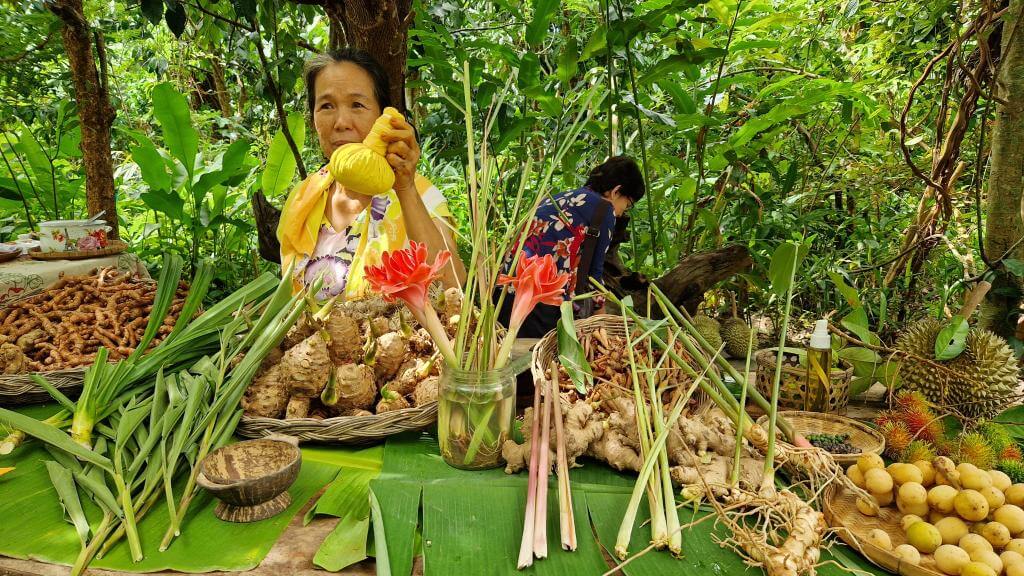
(361, 58)
(618, 171)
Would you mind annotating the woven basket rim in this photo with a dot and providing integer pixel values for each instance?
(837, 422)
(355, 430)
(113, 247)
(855, 536)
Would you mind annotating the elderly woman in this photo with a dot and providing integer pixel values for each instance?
(336, 236)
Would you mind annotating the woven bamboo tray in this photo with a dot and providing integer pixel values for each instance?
(547, 349)
(852, 527)
(113, 247)
(862, 436)
(350, 430)
(18, 389)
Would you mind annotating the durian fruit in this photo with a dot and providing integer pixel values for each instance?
(979, 381)
(708, 328)
(736, 335)
(975, 449)
(918, 450)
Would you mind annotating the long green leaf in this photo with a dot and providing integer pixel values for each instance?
(172, 112)
(152, 166)
(53, 437)
(166, 289)
(951, 341)
(280, 168)
(57, 395)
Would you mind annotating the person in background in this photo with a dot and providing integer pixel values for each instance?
(576, 230)
(336, 233)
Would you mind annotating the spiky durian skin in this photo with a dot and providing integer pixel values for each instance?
(736, 335)
(918, 450)
(709, 329)
(975, 449)
(979, 382)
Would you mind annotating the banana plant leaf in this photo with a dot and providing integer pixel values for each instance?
(44, 535)
(471, 522)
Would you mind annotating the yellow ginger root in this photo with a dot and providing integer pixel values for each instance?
(12, 359)
(29, 340)
(420, 343)
(352, 387)
(346, 341)
(391, 349)
(380, 325)
(306, 367)
(452, 302)
(426, 391)
(580, 432)
(266, 396)
(298, 407)
(391, 401)
(410, 374)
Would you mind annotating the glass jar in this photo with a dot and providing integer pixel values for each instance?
(474, 416)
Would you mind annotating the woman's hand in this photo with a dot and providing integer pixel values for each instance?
(403, 154)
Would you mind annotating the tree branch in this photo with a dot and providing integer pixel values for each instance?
(246, 27)
(258, 42)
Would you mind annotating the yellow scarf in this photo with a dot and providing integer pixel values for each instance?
(305, 212)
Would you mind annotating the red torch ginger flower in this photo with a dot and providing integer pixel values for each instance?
(536, 281)
(405, 274)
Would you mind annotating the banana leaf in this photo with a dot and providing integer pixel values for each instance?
(44, 535)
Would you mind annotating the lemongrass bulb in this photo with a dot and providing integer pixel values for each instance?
(362, 166)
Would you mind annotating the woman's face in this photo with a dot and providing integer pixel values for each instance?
(345, 106)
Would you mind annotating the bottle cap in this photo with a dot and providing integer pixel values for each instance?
(820, 339)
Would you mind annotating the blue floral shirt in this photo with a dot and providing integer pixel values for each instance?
(561, 231)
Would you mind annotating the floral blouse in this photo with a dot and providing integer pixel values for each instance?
(561, 231)
(341, 256)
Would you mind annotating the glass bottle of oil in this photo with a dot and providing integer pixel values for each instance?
(819, 368)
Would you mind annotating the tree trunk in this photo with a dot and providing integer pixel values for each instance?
(220, 87)
(379, 27)
(1005, 221)
(94, 110)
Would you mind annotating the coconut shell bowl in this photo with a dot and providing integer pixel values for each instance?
(251, 478)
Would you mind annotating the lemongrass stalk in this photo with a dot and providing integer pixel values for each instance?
(659, 530)
(626, 528)
(768, 481)
(735, 480)
(17, 436)
(131, 528)
(540, 521)
(526, 546)
(675, 539)
(566, 522)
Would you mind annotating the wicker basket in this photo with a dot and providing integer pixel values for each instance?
(869, 440)
(17, 389)
(793, 393)
(350, 430)
(853, 527)
(547, 349)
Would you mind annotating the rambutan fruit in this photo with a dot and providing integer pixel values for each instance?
(918, 450)
(912, 401)
(1011, 452)
(1012, 468)
(996, 434)
(897, 438)
(974, 448)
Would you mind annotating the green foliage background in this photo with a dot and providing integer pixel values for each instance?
(757, 122)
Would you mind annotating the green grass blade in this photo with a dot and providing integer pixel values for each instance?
(53, 437)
